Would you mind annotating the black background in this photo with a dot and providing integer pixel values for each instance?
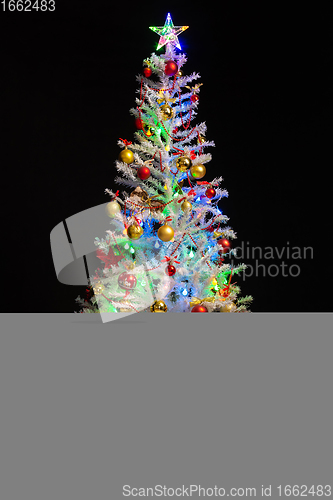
(69, 82)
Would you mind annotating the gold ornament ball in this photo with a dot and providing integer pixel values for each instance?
(98, 288)
(229, 307)
(180, 73)
(112, 208)
(126, 155)
(198, 171)
(183, 163)
(134, 231)
(159, 306)
(165, 233)
(167, 112)
(186, 205)
(125, 307)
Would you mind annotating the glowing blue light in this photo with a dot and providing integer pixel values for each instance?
(184, 292)
(198, 199)
(157, 245)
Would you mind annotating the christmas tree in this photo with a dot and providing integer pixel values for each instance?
(169, 242)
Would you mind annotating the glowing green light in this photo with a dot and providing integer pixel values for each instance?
(132, 250)
(111, 308)
(191, 254)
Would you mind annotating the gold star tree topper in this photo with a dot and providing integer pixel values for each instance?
(168, 33)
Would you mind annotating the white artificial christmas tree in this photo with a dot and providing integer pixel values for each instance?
(168, 235)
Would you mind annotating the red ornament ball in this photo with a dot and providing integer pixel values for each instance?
(199, 309)
(143, 173)
(171, 68)
(147, 72)
(127, 281)
(225, 244)
(194, 98)
(210, 192)
(138, 123)
(170, 270)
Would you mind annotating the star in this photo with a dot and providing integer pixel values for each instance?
(168, 33)
(111, 259)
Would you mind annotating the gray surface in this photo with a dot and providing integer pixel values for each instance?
(163, 399)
